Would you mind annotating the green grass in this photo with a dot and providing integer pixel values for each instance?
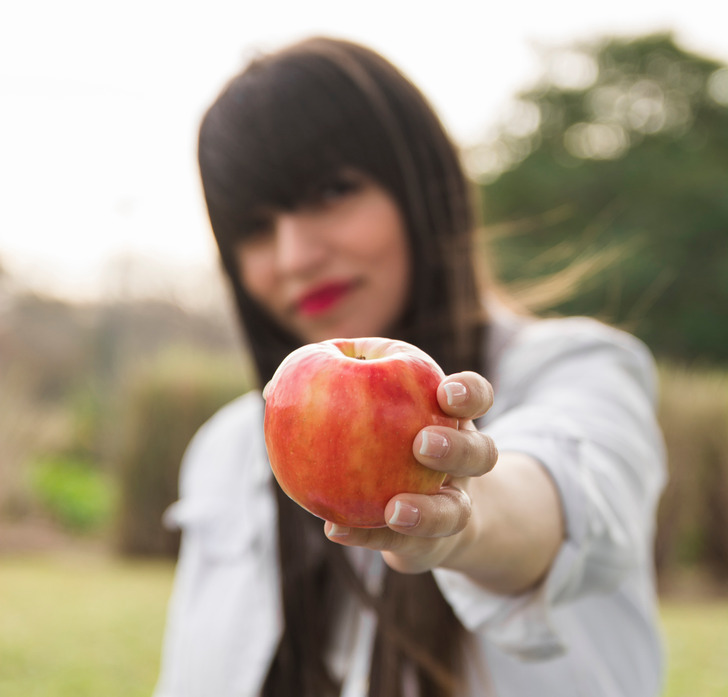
(86, 626)
(696, 637)
(81, 627)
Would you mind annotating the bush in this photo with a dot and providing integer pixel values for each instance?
(693, 514)
(164, 405)
(75, 493)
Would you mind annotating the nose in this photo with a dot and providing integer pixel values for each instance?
(300, 244)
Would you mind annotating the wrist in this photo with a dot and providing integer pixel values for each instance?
(515, 529)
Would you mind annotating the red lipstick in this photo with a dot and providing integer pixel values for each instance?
(322, 298)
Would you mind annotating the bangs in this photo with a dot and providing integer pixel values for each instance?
(280, 131)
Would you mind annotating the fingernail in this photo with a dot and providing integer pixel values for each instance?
(434, 444)
(405, 515)
(338, 530)
(456, 393)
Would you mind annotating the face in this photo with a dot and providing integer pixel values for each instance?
(337, 266)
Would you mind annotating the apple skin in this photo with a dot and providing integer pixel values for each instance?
(340, 419)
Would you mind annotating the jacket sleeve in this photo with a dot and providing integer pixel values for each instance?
(223, 620)
(579, 397)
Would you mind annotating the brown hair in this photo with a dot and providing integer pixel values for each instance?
(289, 122)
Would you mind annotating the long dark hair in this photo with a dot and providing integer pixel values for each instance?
(291, 121)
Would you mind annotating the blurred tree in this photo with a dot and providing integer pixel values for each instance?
(616, 165)
(64, 367)
(166, 402)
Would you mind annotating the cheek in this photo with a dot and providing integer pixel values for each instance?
(389, 258)
(256, 274)
(380, 233)
(392, 248)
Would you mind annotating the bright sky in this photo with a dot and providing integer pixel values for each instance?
(100, 103)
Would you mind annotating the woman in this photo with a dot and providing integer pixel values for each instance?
(340, 209)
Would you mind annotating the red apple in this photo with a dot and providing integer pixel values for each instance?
(340, 419)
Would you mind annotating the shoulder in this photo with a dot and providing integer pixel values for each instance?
(574, 336)
(571, 349)
(578, 331)
(241, 413)
(227, 446)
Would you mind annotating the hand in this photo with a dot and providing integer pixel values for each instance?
(422, 531)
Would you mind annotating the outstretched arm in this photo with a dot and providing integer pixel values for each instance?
(497, 518)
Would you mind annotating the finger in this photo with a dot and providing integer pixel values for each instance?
(403, 553)
(465, 395)
(464, 453)
(440, 515)
(413, 548)
(418, 515)
(379, 539)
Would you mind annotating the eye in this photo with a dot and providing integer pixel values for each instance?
(257, 228)
(341, 186)
(335, 188)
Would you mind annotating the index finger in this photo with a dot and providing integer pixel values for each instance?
(465, 395)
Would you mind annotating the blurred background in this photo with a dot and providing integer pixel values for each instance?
(597, 140)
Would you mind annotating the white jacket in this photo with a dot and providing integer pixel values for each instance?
(573, 393)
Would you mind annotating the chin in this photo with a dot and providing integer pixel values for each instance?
(345, 325)
(336, 333)
(336, 330)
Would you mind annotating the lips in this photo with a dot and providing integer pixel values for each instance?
(322, 298)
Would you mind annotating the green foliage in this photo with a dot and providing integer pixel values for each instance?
(630, 165)
(164, 404)
(76, 494)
